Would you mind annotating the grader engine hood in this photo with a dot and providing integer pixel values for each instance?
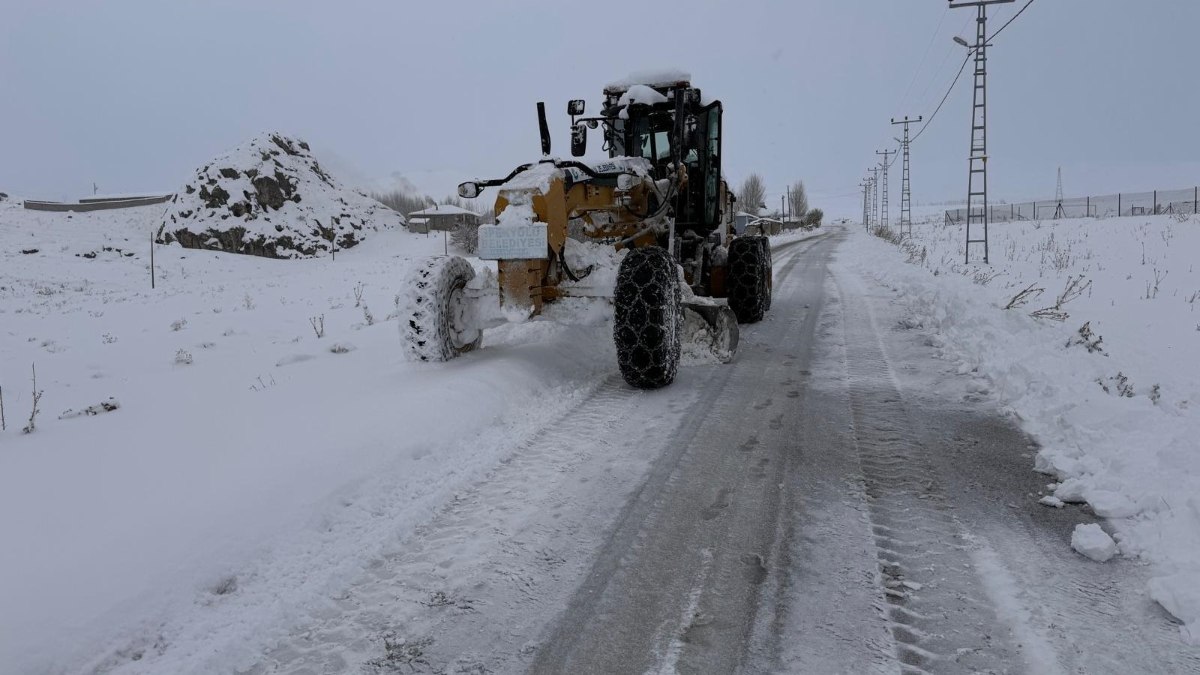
(540, 205)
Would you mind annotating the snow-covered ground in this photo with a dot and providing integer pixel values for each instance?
(1108, 382)
(252, 467)
(246, 453)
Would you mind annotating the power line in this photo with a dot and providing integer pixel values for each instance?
(1014, 18)
(939, 107)
(950, 51)
(962, 68)
(936, 31)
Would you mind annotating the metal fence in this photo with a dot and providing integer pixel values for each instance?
(1156, 202)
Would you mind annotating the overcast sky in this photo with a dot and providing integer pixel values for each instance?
(135, 95)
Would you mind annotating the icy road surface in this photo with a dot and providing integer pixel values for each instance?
(835, 501)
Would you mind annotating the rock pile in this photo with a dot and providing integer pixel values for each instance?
(270, 197)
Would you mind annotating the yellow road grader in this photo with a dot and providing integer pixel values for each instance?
(659, 197)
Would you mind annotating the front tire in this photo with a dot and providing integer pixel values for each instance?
(749, 281)
(436, 321)
(648, 318)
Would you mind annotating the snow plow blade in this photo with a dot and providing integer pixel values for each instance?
(711, 327)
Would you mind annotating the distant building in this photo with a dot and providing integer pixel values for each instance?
(443, 217)
(740, 220)
(763, 226)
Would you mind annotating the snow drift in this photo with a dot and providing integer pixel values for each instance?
(270, 197)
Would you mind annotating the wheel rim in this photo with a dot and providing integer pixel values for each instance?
(458, 310)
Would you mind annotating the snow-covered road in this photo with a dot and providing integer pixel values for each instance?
(842, 498)
(835, 501)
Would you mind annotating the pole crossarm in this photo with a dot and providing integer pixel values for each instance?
(976, 3)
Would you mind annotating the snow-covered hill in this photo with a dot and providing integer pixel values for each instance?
(271, 197)
(1107, 379)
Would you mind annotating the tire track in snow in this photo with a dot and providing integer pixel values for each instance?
(940, 615)
(472, 588)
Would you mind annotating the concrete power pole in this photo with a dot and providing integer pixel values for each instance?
(905, 184)
(885, 165)
(977, 193)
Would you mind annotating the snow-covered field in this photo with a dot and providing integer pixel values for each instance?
(1107, 381)
(247, 454)
(252, 468)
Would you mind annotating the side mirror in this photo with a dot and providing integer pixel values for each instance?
(579, 139)
(575, 107)
(469, 190)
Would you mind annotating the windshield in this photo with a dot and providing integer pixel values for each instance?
(652, 137)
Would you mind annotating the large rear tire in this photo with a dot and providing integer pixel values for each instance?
(648, 318)
(436, 321)
(749, 280)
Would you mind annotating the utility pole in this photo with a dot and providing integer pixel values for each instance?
(886, 165)
(905, 185)
(874, 194)
(977, 201)
(1059, 212)
(870, 192)
(866, 188)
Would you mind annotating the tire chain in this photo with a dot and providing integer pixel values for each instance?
(648, 318)
(747, 279)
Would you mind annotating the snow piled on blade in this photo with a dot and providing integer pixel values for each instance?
(1106, 376)
(270, 197)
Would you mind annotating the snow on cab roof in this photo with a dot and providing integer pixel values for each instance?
(640, 93)
(650, 78)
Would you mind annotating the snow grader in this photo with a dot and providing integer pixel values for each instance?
(659, 200)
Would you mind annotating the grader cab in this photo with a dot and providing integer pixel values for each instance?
(659, 197)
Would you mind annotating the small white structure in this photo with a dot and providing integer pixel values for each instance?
(741, 219)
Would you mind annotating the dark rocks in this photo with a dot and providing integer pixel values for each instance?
(268, 192)
(214, 198)
(287, 205)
